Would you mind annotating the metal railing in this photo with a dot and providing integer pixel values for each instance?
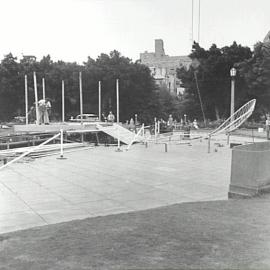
(35, 148)
(141, 130)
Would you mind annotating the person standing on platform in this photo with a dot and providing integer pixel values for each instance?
(111, 117)
(170, 121)
(131, 124)
(44, 105)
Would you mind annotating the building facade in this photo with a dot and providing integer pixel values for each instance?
(163, 67)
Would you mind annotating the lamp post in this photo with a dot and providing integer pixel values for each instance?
(233, 75)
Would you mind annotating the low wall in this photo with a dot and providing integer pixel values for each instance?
(250, 170)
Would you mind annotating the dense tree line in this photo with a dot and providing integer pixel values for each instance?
(138, 92)
(207, 80)
(209, 76)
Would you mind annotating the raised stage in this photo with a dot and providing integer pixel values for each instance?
(55, 127)
(114, 130)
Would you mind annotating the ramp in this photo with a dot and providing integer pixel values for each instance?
(125, 135)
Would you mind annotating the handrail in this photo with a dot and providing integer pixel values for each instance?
(30, 151)
(135, 137)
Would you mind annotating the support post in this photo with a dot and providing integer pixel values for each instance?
(81, 98)
(117, 115)
(99, 101)
(155, 130)
(97, 138)
(36, 97)
(232, 98)
(117, 100)
(43, 88)
(228, 138)
(209, 143)
(166, 147)
(62, 141)
(63, 101)
(61, 145)
(26, 99)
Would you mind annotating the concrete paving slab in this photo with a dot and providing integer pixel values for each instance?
(82, 197)
(101, 181)
(57, 215)
(143, 204)
(97, 207)
(20, 220)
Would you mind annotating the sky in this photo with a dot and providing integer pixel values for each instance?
(72, 30)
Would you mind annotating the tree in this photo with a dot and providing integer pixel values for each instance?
(138, 92)
(255, 73)
(11, 90)
(212, 68)
(136, 86)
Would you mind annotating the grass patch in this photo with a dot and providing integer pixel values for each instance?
(217, 235)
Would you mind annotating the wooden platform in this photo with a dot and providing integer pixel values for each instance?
(55, 127)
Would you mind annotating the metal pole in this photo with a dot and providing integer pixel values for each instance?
(61, 145)
(99, 100)
(63, 101)
(43, 88)
(155, 119)
(232, 97)
(26, 99)
(81, 98)
(36, 97)
(192, 23)
(61, 142)
(117, 99)
(199, 21)
(200, 98)
(117, 114)
(209, 143)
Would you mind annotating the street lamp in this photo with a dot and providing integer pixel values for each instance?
(233, 75)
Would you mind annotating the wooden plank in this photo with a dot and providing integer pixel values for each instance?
(54, 127)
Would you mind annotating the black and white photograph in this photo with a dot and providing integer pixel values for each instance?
(134, 134)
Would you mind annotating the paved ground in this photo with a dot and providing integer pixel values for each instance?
(101, 181)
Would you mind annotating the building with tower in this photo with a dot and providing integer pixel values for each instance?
(163, 67)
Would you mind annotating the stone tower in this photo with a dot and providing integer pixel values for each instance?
(267, 38)
(266, 45)
(159, 48)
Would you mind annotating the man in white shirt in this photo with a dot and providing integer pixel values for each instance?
(44, 105)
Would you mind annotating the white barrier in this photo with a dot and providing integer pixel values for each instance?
(30, 151)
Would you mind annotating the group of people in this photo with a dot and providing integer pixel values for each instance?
(172, 123)
(110, 118)
(44, 110)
